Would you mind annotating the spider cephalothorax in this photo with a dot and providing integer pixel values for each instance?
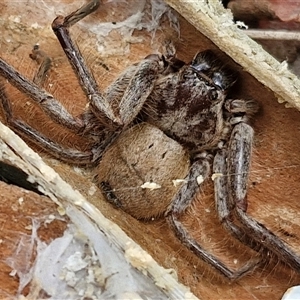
(186, 102)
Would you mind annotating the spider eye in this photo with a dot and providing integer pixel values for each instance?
(217, 78)
(223, 79)
(208, 64)
(203, 61)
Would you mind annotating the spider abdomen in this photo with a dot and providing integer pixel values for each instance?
(140, 180)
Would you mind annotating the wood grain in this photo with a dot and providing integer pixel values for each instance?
(274, 180)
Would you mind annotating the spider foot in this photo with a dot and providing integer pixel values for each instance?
(215, 262)
(199, 171)
(76, 16)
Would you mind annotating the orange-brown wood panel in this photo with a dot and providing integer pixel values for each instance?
(274, 178)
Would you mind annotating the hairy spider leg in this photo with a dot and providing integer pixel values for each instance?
(179, 204)
(230, 195)
(221, 201)
(51, 106)
(138, 89)
(25, 130)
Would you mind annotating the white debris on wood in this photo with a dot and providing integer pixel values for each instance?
(292, 293)
(13, 273)
(150, 185)
(50, 219)
(216, 175)
(136, 258)
(92, 190)
(200, 179)
(241, 25)
(177, 182)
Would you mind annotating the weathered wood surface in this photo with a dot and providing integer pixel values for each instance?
(274, 181)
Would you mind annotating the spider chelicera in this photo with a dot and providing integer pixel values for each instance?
(187, 102)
